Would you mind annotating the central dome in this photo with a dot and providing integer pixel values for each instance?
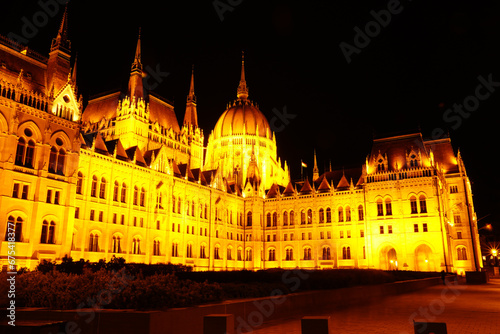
(242, 118)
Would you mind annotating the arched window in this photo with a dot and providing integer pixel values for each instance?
(346, 253)
(14, 229)
(388, 207)
(380, 207)
(136, 195)
(143, 197)
(189, 251)
(30, 154)
(309, 216)
(268, 219)
(275, 219)
(48, 232)
(289, 254)
(307, 253)
(461, 253)
(413, 205)
(124, 192)
(136, 245)
(423, 204)
(175, 249)
(203, 254)
(79, 183)
(52, 160)
(326, 253)
(248, 255)
(116, 191)
(21, 148)
(93, 188)
(102, 188)
(179, 205)
(321, 215)
(156, 247)
(292, 217)
(249, 218)
(192, 210)
(272, 254)
(341, 214)
(216, 253)
(285, 218)
(361, 215)
(328, 215)
(117, 244)
(60, 162)
(173, 203)
(94, 242)
(347, 214)
(302, 217)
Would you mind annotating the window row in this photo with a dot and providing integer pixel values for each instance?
(384, 208)
(14, 230)
(25, 154)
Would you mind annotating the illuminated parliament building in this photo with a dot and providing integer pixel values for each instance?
(123, 178)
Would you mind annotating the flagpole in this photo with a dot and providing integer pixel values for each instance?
(301, 170)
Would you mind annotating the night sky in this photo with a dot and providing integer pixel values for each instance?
(427, 57)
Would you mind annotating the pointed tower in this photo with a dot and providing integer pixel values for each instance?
(242, 92)
(191, 115)
(58, 65)
(135, 88)
(315, 168)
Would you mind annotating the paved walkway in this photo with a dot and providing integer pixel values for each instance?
(464, 309)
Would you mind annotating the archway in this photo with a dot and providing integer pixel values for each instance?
(424, 259)
(388, 259)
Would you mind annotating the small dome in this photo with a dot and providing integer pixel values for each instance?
(244, 118)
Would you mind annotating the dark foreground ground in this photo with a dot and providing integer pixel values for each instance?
(464, 308)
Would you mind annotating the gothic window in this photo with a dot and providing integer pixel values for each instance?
(326, 253)
(136, 196)
(48, 232)
(93, 189)
(302, 217)
(272, 254)
(123, 193)
(413, 205)
(423, 204)
(388, 207)
(309, 216)
(328, 215)
(249, 218)
(156, 247)
(307, 253)
(361, 215)
(248, 255)
(136, 246)
(79, 183)
(461, 253)
(341, 214)
(94, 242)
(25, 153)
(143, 197)
(321, 215)
(102, 188)
(285, 218)
(268, 219)
(289, 254)
(347, 214)
(346, 253)
(175, 249)
(380, 208)
(116, 191)
(14, 229)
(292, 217)
(116, 244)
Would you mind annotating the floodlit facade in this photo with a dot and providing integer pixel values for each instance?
(122, 178)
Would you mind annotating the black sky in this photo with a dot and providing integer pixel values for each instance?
(427, 58)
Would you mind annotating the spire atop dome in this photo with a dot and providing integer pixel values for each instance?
(242, 92)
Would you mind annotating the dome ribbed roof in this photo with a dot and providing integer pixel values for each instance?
(242, 118)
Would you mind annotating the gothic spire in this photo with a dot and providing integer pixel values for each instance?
(242, 92)
(135, 88)
(191, 116)
(61, 41)
(315, 168)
